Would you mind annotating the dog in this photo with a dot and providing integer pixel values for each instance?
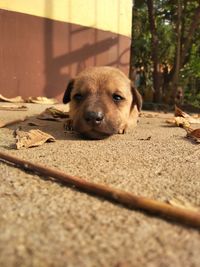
(102, 102)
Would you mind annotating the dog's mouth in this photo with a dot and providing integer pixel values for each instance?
(96, 135)
(97, 131)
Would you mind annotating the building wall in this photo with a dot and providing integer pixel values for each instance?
(47, 42)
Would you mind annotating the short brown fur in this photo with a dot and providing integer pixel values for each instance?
(106, 94)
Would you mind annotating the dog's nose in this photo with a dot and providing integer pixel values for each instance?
(94, 117)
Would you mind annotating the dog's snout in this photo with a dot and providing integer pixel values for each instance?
(94, 117)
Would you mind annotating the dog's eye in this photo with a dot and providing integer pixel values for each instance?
(78, 97)
(117, 98)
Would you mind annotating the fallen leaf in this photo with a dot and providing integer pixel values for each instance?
(32, 138)
(145, 139)
(41, 100)
(179, 113)
(182, 122)
(179, 121)
(170, 121)
(148, 115)
(193, 134)
(182, 203)
(196, 116)
(53, 114)
(191, 119)
(4, 124)
(14, 108)
(17, 99)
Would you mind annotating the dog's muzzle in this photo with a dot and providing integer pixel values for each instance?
(94, 118)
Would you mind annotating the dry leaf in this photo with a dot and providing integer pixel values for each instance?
(14, 108)
(53, 114)
(193, 134)
(196, 116)
(182, 122)
(145, 139)
(170, 121)
(182, 203)
(148, 115)
(4, 124)
(179, 121)
(42, 100)
(179, 113)
(32, 138)
(17, 99)
(193, 120)
(190, 119)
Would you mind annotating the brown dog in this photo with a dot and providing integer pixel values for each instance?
(102, 102)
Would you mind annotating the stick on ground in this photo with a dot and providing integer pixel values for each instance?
(182, 215)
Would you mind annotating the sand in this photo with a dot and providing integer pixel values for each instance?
(46, 223)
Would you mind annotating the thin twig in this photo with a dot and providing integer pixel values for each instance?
(182, 215)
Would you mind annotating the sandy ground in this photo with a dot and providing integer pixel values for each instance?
(46, 223)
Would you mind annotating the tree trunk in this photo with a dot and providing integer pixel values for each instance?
(183, 46)
(177, 63)
(154, 54)
(188, 40)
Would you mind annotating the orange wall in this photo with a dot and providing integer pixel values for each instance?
(46, 43)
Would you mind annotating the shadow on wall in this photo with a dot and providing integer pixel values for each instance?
(69, 48)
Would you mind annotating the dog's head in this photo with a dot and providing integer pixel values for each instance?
(102, 101)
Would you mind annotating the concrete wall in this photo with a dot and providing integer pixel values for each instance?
(44, 43)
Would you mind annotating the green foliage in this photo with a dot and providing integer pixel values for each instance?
(142, 35)
(192, 68)
(193, 99)
(190, 77)
(141, 38)
(166, 22)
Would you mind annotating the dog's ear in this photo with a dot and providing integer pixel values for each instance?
(137, 98)
(67, 94)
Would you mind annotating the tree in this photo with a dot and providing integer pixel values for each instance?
(169, 30)
(154, 53)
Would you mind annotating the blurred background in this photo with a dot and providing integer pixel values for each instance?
(45, 43)
(165, 61)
